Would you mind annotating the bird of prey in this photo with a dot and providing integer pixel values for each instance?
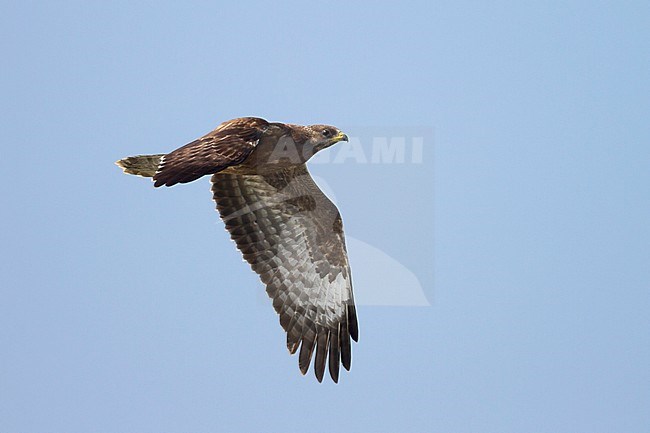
(285, 227)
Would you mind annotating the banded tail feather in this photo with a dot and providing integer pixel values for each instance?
(141, 165)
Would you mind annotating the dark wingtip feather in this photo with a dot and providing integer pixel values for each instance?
(321, 354)
(165, 179)
(353, 325)
(292, 347)
(335, 355)
(307, 348)
(346, 350)
(294, 333)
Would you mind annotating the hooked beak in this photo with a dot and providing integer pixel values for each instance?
(331, 141)
(339, 137)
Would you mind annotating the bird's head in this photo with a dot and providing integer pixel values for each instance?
(323, 136)
(297, 144)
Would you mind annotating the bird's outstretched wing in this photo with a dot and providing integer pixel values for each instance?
(292, 236)
(229, 144)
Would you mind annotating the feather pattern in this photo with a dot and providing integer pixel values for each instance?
(292, 236)
(229, 144)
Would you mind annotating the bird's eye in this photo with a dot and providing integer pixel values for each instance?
(326, 133)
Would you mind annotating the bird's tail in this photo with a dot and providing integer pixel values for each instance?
(141, 165)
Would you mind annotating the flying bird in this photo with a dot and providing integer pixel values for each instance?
(285, 227)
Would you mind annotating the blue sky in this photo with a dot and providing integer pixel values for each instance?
(525, 224)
